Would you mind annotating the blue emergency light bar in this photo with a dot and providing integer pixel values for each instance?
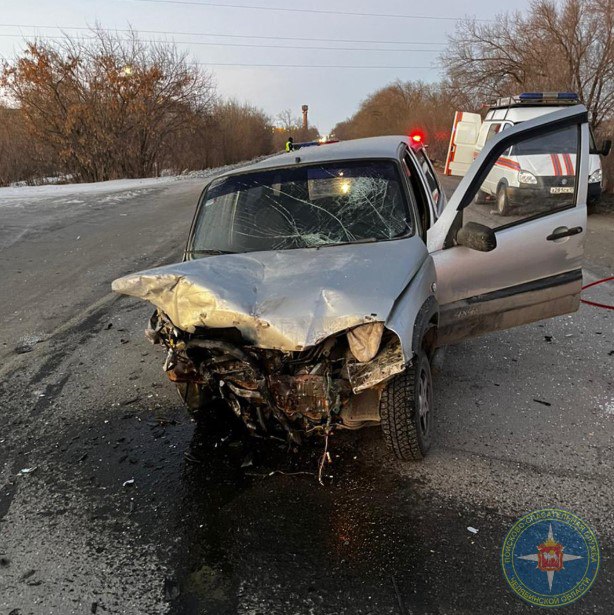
(548, 96)
(553, 99)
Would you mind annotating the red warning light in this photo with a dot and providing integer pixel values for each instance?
(417, 137)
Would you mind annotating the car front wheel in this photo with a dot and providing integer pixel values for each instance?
(406, 410)
(503, 202)
(481, 198)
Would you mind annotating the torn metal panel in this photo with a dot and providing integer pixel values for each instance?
(388, 362)
(286, 300)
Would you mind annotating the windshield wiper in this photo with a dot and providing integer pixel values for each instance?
(348, 243)
(210, 252)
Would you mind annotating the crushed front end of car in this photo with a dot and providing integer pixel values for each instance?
(280, 394)
(297, 300)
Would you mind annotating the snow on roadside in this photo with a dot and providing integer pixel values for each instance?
(118, 189)
(14, 194)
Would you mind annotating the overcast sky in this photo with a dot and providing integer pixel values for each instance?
(331, 93)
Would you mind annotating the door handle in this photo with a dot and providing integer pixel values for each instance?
(560, 233)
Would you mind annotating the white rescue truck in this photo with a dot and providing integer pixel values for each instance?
(533, 168)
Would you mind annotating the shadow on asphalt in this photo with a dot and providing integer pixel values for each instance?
(238, 527)
(244, 525)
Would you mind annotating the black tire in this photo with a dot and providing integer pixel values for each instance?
(481, 198)
(503, 202)
(407, 430)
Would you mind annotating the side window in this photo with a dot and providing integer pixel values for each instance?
(493, 129)
(534, 177)
(420, 196)
(428, 173)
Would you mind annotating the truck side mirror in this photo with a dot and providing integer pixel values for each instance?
(606, 146)
(477, 237)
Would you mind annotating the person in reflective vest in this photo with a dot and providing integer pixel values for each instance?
(289, 144)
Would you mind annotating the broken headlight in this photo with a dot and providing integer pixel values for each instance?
(364, 340)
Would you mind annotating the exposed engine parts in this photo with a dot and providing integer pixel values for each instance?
(282, 394)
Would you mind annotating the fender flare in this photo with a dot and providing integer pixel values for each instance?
(427, 315)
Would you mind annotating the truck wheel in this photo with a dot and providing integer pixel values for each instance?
(406, 408)
(503, 203)
(481, 197)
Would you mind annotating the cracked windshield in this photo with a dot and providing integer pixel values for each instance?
(304, 207)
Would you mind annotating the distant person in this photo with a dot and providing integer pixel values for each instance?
(289, 144)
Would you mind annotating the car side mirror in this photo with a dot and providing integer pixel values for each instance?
(476, 237)
(606, 146)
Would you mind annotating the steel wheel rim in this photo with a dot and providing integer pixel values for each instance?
(501, 199)
(425, 402)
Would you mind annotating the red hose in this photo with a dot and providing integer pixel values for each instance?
(601, 305)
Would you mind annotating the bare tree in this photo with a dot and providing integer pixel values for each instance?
(287, 121)
(567, 46)
(289, 125)
(400, 108)
(107, 105)
(21, 157)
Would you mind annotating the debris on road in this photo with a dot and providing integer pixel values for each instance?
(542, 402)
(28, 470)
(473, 530)
(27, 344)
(27, 575)
(128, 482)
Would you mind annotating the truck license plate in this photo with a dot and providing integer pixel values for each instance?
(561, 190)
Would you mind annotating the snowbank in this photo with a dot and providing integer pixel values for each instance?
(19, 195)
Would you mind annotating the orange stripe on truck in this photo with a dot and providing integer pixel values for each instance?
(458, 117)
(568, 164)
(508, 164)
(556, 165)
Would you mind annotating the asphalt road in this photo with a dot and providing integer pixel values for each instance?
(128, 509)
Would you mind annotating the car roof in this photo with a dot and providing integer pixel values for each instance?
(355, 149)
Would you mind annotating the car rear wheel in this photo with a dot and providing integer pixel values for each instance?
(503, 203)
(406, 408)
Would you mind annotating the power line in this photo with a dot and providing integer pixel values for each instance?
(315, 65)
(281, 38)
(296, 10)
(253, 45)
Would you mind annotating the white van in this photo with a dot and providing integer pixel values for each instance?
(529, 169)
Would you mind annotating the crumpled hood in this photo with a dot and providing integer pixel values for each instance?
(284, 300)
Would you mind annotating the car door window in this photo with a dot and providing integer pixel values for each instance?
(535, 177)
(428, 174)
(417, 189)
(493, 129)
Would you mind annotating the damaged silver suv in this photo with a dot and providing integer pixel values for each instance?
(317, 285)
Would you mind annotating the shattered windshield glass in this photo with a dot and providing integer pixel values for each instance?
(303, 207)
